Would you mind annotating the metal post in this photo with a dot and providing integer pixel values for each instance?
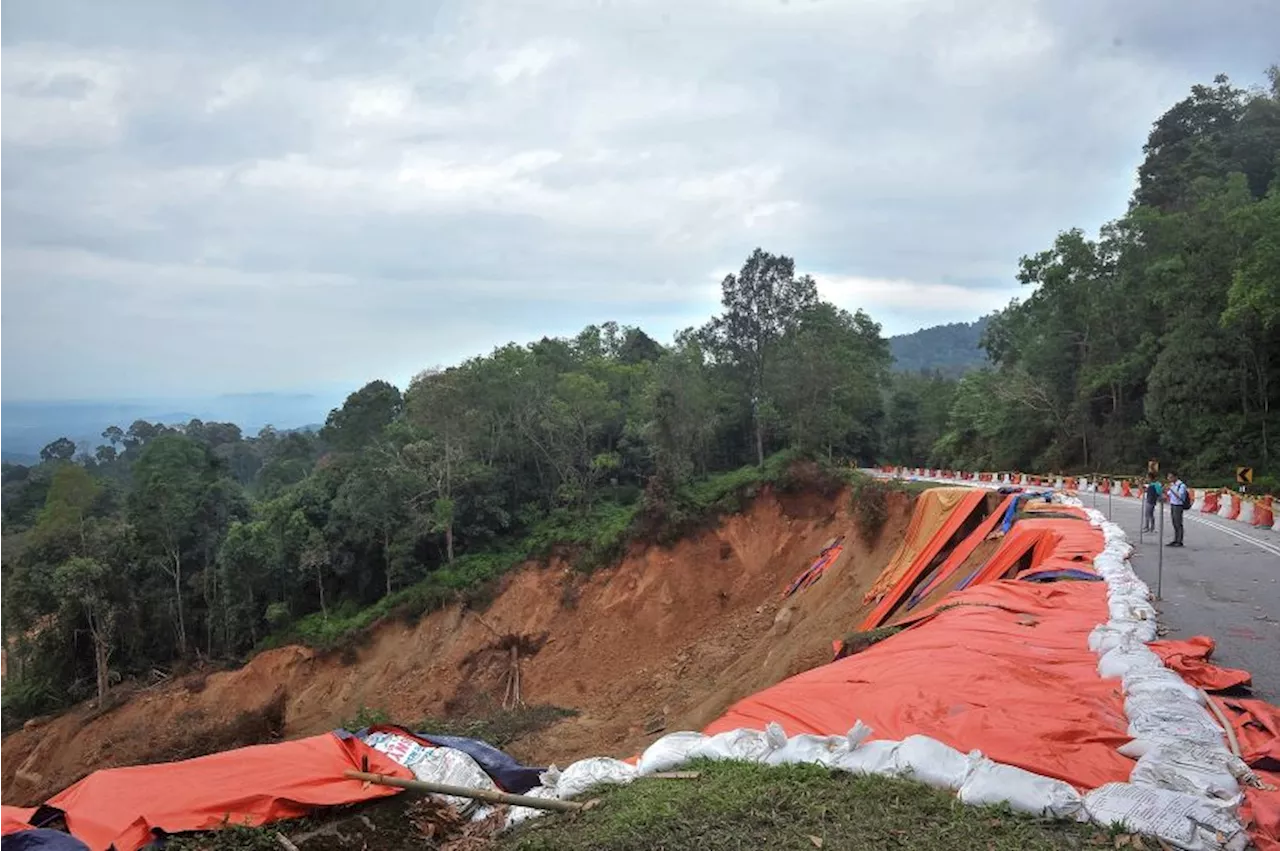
(1160, 562)
(1110, 487)
(1095, 493)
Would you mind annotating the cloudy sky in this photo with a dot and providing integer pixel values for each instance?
(208, 197)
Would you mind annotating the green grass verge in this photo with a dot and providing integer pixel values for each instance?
(728, 806)
(592, 538)
(740, 806)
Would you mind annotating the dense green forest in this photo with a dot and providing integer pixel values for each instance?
(1158, 338)
(173, 544)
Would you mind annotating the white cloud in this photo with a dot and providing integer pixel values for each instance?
(395, 187)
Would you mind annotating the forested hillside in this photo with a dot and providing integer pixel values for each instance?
(172, 544)
(952, 349)
(1159, 337)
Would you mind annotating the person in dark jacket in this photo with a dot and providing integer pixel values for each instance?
(1179, 501)
(1151, 493)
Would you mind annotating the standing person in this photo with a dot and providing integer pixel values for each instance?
(1151, 493)
(1179, 501)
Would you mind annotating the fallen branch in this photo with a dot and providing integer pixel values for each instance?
(487, 795)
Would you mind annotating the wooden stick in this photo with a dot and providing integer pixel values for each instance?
(487, 795)
(284, 842)
(1222, 719)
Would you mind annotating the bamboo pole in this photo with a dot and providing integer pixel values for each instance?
(487, 795)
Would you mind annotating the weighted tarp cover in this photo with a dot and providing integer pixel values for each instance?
(249, 786)
(1008, 671)
(962, 551)
(938, 515)
(13, 819)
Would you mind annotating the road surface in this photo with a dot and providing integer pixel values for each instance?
(1225, 583)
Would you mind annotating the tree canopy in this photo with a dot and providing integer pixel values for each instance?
(1159, 337)
(170, 543)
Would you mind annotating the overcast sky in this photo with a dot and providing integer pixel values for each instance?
(207, 197)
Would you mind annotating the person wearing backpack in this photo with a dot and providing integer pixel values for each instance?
(1151, 493)
(1179, 501)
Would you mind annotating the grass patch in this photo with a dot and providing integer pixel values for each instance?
(738, 805)
(856, 642)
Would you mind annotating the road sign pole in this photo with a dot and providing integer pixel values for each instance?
(1160, 561)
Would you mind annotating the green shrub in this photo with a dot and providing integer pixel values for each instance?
(869, 500)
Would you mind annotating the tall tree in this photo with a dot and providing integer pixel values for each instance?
(362, 416)
(170, 479)
(761, 303)
(62, 449)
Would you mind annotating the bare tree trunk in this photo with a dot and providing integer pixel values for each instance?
(448, 540)
(101, 653)
(386, 558)
(177, 590)
(759, 442)
(320, 585)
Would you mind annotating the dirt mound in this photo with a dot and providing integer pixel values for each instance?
(666, 640)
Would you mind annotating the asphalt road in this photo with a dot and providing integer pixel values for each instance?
(1225, 583)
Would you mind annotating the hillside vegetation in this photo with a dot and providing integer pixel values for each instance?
(951, 350)
(170, 545)
(1159, 337)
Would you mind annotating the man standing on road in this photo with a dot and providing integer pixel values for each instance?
(1150, 499)
(1179, 501)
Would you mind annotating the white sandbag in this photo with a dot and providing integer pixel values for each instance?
(1168, 715)
(803, 748)
(447, 765)
(933, 763)
(1193, 769)
(594, 771)
(1190, 822)
(1152, 680)
(402, 749)
(1130, 608)
(1120, 660)
(880, 758)
(741, 744)
(516, 815)
(669, 752)
(991, 783)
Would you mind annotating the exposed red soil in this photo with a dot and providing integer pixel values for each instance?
(676, 634)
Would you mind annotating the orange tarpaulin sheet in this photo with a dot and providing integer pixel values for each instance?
(938, 515)
(1008, 671)
(1190, 658)
(966, 547)
(1055, 543)
(1257, 728)
(249, 786)
(13, 819)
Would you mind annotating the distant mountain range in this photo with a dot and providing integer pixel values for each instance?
(27, 427)
(950, 349)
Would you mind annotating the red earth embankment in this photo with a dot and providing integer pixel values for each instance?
(672, 635)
